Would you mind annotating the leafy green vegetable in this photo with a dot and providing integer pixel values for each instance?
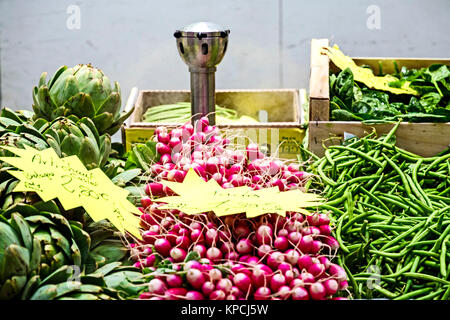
(353, 101)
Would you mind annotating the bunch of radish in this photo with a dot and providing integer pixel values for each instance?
(204, 257)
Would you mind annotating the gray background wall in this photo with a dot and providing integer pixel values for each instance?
(132, 41)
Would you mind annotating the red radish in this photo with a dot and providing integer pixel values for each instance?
(343, 285)
(162, 148)
(236, 292)
(197, 235)
(183, 242)
(281, 243)
(306, 243)
(214, 254)
(226, 247)
(175, 293)
(253, 260)
(192, 264)
(284, 292)
(297, 282)
(227, 185)
(275, 167)
(224, 285)
(331, 286)
(304, 261)
(316, 269)
(150, 260)
(339, 298)
(242, 281)
(241, 231)
(337, 272)
(206, 267)
(295, 238)
(174, 280)
(211, 237)
(176, 175)
(194, 295)
(283, 233)
(313, 231)
(325, 261)
(214, 275)
(177, 254)
(217, 295)
(154, 189)
(283, 267)
(244, 246)
(264, 250)
(315, 247)
(262, 293)
(293, 225)
(217, 177)
(160, 129)
(300, 293)
(150, 236)
(292, 256)
(156, 286)
(277, 281)
(317, 291)
(307, 277)
(275, 182)
(162, 246)
(201, 249)
(274, 259)
(232, 256)
(264, 234)
(163, 137)
(332, 242)
(231, 297)
(208, 287)
(261, 276)
(325, 230)
(252, 151)
(146, 202)
(195, 278)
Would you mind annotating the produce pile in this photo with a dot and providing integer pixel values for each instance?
(202, 256)
(47, 252)
(392, 211)
(180, 112)
(354, 101)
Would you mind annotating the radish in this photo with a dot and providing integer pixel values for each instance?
(264, 234)
(217, 295)
(232, 256)
(283, 233)
(176, 175)
(277, 281)
(325, 261)
(195, 278)
(315, 247)
(231, 297)
(331, 286)
(156, 286)
(306, 243)
(316, 269)
(236, 292)
(325, 230)
(178, 254)
(264, 250)
(214, 275)
(201, 249)
(214, 254)
(150, 260)
(283, 267)
(244, 246)
(242, 281)
(261, 276)
(146, 202)
(162, 246)
(175, 293)
(289, 275)
(162, 148)
(284, 292)
(295, 238)
(194, 295)
(197, 235)
(175, 143)
(211, 237)
(206, 267)
(183, 241)
(224, 285)
(317, 291)
(296, 283)
(304, 261)
(274, 259)
(208, 287)
(281, 243)
(192, 264)
(241, 231)
(292, 256)
(154, 189)
(262, 293)
(332, 242)
(300, 293)
(150, 237)
(307, 277)
(337, 272)
(227, 247)
(174, 280)
(343, 285)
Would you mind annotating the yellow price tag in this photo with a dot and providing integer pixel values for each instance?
(68, 180)
(196, 196)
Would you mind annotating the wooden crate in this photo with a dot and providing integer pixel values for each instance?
(426, 139)
(282, 134)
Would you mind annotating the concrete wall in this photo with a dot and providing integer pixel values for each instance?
(132, 41)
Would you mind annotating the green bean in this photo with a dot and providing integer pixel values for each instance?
(323, 176)
(442, 158)
(385, 292)
(442, 257)
(425, 253)
(359, 153)
(423, 276)
(403, 235)
(338, 234)
(400, 173)
(431, 295)
(413, 294)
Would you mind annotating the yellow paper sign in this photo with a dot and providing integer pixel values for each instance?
(196, 196)
(366, 75)
(68, 180)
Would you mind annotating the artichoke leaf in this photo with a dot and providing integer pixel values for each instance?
(112, 105)
(81, 105)
(70, 146)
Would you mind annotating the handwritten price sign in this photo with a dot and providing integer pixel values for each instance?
(196, 196)
(68, 180)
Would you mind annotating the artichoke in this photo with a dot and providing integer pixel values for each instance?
(81, 91)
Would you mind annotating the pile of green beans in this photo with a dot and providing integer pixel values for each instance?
(391, 210)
